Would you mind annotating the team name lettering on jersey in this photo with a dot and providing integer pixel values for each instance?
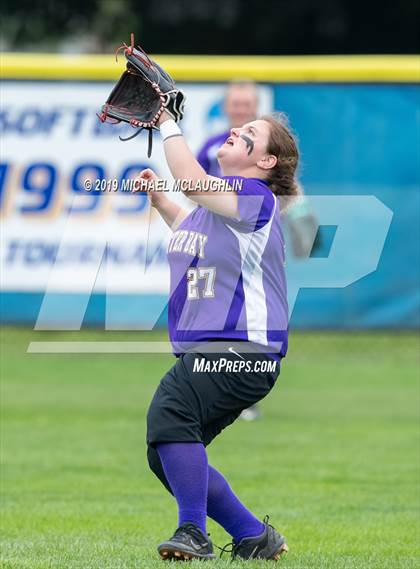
(190, 242)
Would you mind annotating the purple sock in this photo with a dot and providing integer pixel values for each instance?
(186, 468)
(225, 508)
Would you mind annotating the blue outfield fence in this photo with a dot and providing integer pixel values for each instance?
(355, 140)
(363, 140)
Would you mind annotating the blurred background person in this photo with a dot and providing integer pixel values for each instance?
(240, 106)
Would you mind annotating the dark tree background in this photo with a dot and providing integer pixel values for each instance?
(213, 26)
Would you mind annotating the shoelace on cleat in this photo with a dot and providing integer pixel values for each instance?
(265, 521)
(191, 530)
(228, 548)
(231, 546)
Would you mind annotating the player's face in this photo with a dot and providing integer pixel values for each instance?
(246, 146)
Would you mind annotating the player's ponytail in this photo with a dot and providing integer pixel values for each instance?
(282, 144)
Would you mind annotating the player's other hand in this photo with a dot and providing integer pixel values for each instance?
(147, 182)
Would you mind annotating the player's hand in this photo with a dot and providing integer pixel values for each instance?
(146, 182)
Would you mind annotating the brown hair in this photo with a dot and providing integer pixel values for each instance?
(283, 145)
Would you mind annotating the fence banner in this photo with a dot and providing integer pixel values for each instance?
(75, 246)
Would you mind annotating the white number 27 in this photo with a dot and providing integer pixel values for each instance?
(193, 276)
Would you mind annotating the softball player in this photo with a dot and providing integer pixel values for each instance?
(227, 324)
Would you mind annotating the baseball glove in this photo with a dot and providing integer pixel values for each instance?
(143, 91)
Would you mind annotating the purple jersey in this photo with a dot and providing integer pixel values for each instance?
(208, 154)
(227, 275)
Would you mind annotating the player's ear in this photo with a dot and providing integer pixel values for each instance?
(267, 162)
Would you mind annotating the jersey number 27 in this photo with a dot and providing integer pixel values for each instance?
(194, 275)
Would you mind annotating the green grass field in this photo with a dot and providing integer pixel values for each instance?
(334, 460)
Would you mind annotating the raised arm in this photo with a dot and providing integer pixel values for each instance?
(184, 166)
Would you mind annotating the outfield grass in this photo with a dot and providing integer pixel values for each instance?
(334, 460)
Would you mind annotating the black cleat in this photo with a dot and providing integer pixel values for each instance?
(269, 545)
(188, 542)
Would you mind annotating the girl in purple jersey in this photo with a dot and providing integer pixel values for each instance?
(227, 324)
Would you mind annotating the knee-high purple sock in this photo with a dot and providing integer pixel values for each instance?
(226, 509)
(186, 468)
